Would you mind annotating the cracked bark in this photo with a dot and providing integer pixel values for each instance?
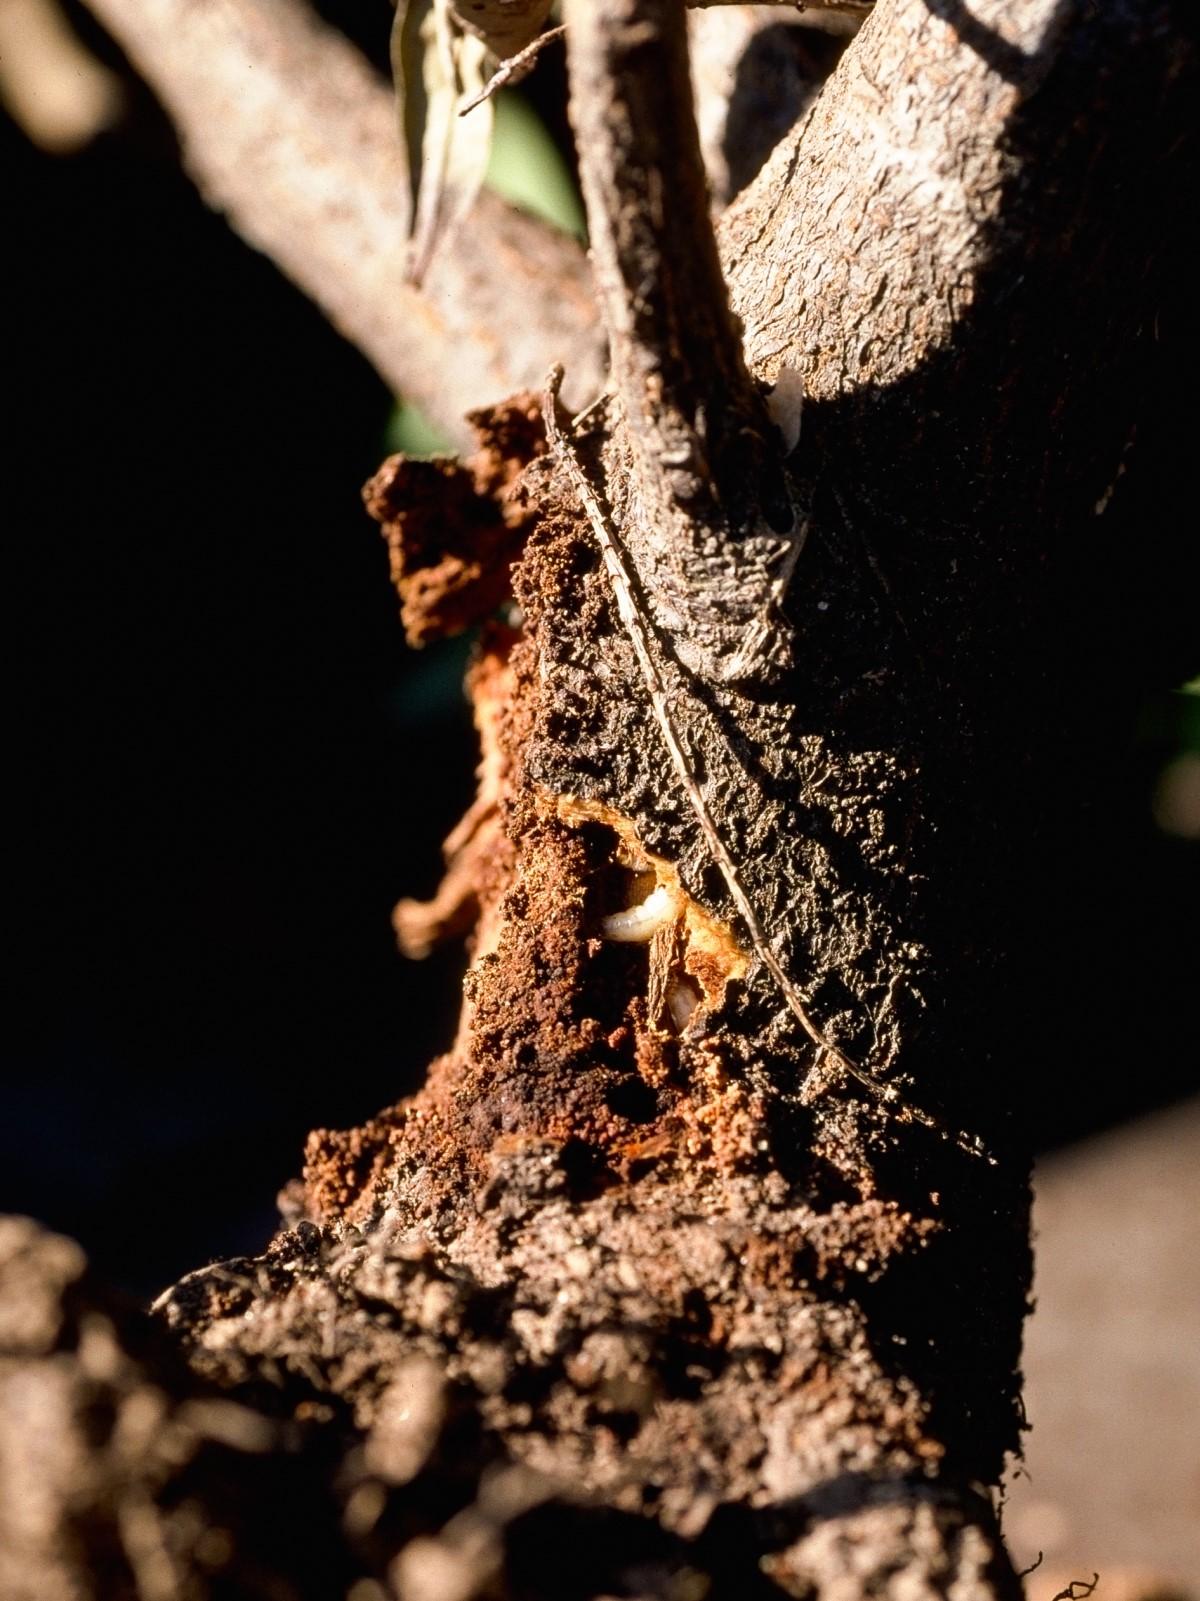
(644, 1294)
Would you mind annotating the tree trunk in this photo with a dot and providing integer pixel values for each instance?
(698, 1267)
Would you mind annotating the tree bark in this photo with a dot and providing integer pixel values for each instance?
(699, 1265)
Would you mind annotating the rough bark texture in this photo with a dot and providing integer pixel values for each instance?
(755, 70)
(655, 1291)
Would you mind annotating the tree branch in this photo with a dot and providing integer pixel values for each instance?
(286, 129)
(858, 8)
(676, 357)
(756, 71)
(689, 405)
(716, 522)
(954, 252)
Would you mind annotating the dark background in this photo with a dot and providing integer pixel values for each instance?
(226, 767)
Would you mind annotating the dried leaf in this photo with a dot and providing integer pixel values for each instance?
(437, 69)
(408, 77)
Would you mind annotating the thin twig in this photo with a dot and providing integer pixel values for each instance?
(639, 637)
(515, 68)
(1078, 1589)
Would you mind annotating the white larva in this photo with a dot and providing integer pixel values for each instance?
(682, 1001)
(641, 923)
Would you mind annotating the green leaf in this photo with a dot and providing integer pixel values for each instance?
(410, 430)
(526, 167)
